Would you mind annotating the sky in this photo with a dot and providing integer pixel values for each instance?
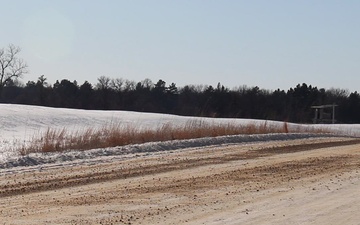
(270, 44)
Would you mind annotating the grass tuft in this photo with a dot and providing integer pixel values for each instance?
(53, 140)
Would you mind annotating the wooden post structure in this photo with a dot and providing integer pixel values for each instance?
(324, 117)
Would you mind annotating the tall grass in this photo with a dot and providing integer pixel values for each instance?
(53, 140)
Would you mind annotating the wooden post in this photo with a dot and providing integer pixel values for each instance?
(333, 113)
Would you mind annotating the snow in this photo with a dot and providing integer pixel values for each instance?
(20, 123)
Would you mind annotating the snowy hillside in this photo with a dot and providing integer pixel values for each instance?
(20, 123)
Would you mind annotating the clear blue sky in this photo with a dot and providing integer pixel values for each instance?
(269, 43)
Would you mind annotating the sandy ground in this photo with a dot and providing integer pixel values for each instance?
(312, 181)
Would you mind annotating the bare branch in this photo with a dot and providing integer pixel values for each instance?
(11, 67)
(103, 83)
(117, 84)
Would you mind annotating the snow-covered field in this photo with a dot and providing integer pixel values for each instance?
(20, 123)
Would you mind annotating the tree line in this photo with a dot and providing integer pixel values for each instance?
(293, 105)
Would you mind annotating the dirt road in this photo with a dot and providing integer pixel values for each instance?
(311, 181)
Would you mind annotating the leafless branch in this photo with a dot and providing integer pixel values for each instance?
(117, 84)
(11, 67)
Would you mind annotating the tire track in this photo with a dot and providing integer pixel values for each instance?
(52, 179)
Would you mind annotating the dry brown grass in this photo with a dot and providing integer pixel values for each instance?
(53, 140)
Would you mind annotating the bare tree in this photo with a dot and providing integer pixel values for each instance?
(103, 83)
(117, 84)
(129, 85)
(11, 66)
(147, 83)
